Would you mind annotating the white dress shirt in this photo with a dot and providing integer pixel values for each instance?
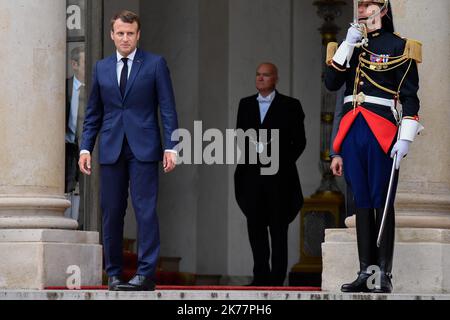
(264, 104)
(120, 64)
(73, 112)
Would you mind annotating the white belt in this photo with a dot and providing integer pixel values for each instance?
(361, 98)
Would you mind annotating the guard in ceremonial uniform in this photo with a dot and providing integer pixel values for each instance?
(379, 69)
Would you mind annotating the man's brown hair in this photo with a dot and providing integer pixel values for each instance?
(127, 17)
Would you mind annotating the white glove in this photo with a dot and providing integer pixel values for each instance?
(345, 50)
(354, 35)
(401, 148)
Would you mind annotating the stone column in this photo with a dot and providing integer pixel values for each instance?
(32, 115)
(422, 251)
(32, 126)
(423, 197)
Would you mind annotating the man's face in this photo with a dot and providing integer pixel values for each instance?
(367, 9)
(125, 36)
(78, 67)
(266, 78)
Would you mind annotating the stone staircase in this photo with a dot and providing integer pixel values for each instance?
(210, 295)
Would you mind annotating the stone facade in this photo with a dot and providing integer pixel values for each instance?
(32, 129)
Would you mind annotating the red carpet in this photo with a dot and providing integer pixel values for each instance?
(168, 280)
(208, 288)
(237, 288)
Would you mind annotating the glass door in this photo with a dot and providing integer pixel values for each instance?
(84, 47)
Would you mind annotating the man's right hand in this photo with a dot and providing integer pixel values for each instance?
(337, 166)
(354, 35)
(85, 164)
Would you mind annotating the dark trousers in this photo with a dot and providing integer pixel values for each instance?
(142, 179)
(367, 168)
(263, 273)
(270, 258)
(71, 168)
(72, 178)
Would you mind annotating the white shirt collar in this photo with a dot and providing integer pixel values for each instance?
(130, 56)
(269, 98)
(76, 83)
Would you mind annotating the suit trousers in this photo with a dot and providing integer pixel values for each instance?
(142, 180)
(269, 218)
(71, 168)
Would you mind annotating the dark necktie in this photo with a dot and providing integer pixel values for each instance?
(124, 76)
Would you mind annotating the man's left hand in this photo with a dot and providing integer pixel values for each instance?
(169, 161)
(337, 166)
(401, 148)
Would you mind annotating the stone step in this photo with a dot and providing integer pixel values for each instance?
(401, 235)
(420, 264)
(209, 295)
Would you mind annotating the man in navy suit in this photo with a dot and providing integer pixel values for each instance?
(127, 88)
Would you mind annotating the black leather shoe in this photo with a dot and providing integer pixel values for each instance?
(138, 283)
(359, 285)
(385, 284)
(366, 241)
(114, 282)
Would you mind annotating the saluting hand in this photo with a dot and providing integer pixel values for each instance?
(354, 35)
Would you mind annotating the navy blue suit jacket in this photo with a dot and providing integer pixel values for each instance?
(136, 114)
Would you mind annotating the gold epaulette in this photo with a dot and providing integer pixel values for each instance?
(413, 50)
(331, 50)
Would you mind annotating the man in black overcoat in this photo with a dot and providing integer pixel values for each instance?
(271, 201)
